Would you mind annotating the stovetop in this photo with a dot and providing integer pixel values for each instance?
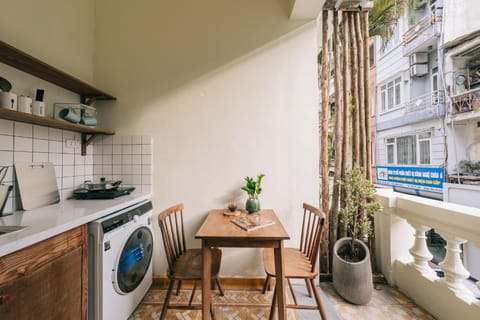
(101, 194)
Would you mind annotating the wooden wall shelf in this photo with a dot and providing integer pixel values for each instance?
(25, 62)
(54, 123)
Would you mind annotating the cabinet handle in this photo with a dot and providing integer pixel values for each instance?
(4, 298)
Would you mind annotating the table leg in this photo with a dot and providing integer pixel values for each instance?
(280, 277)
(206, 278)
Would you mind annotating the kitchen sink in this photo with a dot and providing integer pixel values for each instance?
(9, 229)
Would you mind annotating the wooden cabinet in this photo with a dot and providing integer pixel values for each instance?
(47, 280)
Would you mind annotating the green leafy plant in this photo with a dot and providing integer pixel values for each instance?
(360, 206)
(253, 187)
(469, 167)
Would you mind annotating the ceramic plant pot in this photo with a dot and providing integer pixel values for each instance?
(352, 280)
(252, 205)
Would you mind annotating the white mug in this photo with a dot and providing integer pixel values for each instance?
(24, 104)
(38, 108)
(8, 100)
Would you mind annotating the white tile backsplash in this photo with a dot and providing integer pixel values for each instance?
(40, 157)
(131, 160)
(137, 149)
(68, 159)
(127, 149)
(55, 158)
(55, 146)
(55, 134)
(6, 127)
(6, 143)
(23, 130)
(23, 144)
(6, 158)
(126, 158)
(136, 139)
(21, 156)
(40, 132)
(40, 145)
(136, 159)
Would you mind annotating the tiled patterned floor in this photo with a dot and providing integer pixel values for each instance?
(387, 304)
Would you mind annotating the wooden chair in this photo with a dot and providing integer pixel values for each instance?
(300, 263)
(183, 263)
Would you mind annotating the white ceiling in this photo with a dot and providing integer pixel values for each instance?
(306, 9)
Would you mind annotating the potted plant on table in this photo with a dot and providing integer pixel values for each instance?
(351, 268)
(253, 189)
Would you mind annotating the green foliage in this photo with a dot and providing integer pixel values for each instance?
(360, 206)
(469, 167)
(385, 14)
(253, 187)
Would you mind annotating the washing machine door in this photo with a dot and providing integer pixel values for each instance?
(134, 260)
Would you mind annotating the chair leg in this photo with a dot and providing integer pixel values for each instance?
(179, 286)
(219, 287)
(317, 299)
(293, 293)
(211, 311)
(193, 293)
(308, 288)
(167, 300)
(266, 285)
(274, 304)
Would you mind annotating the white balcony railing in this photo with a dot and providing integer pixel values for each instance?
(430, 100)
(404, 257)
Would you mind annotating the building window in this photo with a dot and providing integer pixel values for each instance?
(410, 149)
(406, 150)
(371, 50)
(424, 142)
(434, 79)
(391, 151)
(391, 94)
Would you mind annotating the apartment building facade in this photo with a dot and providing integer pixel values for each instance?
(410, 104)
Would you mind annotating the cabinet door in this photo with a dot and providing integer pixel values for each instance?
(53, 291)
(8, 296)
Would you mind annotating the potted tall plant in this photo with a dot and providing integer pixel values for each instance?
(351, 268)
(253, 189)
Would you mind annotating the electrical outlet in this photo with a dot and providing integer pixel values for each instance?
(70, 144)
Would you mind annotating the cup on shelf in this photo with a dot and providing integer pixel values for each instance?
(38, 108)
(88, 120)
(8, 100)
(24, 104)
(70, 115)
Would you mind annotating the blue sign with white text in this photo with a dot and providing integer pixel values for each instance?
(419, 178)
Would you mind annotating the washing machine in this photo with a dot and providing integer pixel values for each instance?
(120, 249)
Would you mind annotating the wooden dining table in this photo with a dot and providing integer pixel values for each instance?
(218, 231)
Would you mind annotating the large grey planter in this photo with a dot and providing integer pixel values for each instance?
(352, 280)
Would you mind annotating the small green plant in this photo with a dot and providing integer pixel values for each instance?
(253, 187)
(360, 206)
(469, 167)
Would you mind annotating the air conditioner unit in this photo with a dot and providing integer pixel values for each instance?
(418, 70)
(418, 57)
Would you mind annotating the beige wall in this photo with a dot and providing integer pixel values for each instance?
(58, 32)
(226, 89)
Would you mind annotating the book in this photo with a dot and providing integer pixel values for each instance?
(250, 223)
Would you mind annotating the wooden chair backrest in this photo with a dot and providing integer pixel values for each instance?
(312, 231)
(170, 222)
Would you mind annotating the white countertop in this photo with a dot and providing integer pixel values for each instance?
(43, 223)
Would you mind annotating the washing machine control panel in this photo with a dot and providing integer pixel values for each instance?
(125, 217)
